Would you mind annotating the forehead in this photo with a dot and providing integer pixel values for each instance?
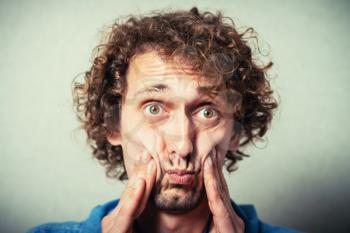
(151, 65)
(150, 69)
(150, 75)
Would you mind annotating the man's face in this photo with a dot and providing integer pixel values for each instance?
(165, 113)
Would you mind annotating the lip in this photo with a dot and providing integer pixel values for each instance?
(181, 177)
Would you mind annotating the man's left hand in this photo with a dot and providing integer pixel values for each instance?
(225, 219)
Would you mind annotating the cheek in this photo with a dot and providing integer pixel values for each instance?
(137, 139)
(145, 138)
(218, 139)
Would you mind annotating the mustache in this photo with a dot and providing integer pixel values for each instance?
(180, 166)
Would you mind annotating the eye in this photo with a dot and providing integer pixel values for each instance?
(153, 109)
(208, 113)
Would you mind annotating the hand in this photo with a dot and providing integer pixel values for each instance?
(133, 199)
(225, 220)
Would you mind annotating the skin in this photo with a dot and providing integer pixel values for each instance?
(177, 127)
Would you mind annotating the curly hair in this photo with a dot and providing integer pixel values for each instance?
(213, 46)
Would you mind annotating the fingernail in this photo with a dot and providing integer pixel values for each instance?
(208, 163)
(150, 167)
(137, 183)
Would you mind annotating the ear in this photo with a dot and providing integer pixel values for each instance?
(234, 142)
(114, 138)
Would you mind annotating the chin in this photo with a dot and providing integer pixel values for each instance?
(177, 198)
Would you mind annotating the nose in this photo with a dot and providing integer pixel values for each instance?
(181, 136)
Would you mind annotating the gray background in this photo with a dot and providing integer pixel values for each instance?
(298, 177)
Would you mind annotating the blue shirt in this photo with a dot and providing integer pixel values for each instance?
(93, 223)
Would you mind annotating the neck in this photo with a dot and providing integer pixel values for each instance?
(155, 220)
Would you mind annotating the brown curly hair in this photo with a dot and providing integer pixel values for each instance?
(213, 46)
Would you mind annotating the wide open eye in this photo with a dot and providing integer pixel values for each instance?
(153, 109)
(208, 113)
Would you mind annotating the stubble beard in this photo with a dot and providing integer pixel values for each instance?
(176, 198)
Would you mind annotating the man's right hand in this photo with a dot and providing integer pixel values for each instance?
(133, 199)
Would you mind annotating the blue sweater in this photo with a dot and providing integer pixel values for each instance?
(93, 223)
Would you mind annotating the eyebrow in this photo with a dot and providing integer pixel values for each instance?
(160, 87)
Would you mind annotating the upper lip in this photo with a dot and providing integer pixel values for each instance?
(179, 172)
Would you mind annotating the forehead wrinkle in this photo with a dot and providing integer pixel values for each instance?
(159, 72)
(154, 71)
(151, 64)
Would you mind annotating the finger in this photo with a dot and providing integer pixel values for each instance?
(138, 172)
(227, 220)
(150, 178)
(134, 197)
(214, 193)
(219, 178)
(218, 205)
(219, 172)
(132, 202)
(122, 216)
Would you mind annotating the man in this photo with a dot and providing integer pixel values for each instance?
(169, 100)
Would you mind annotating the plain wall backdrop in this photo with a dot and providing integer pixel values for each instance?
(299, 177)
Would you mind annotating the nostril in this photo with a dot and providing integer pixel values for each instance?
(188, 158)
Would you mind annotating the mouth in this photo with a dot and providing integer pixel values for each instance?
(180, 177)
